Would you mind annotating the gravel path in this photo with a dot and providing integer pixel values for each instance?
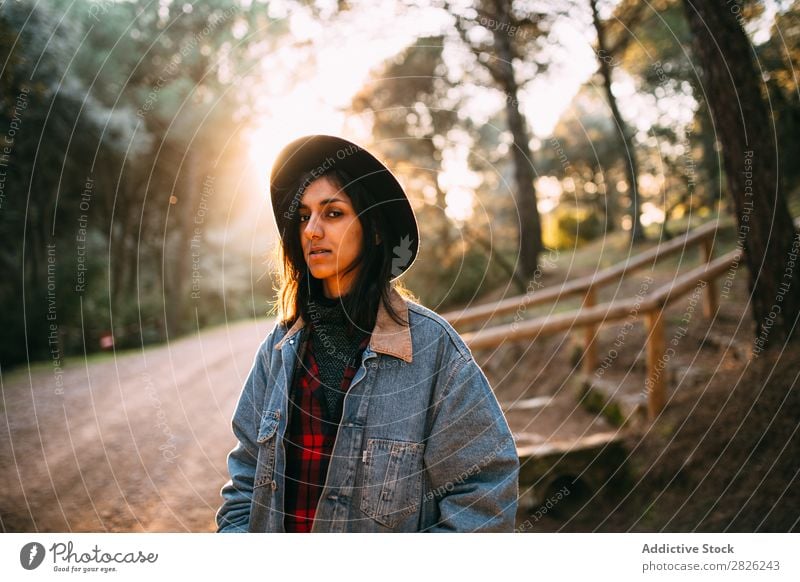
(133, 443)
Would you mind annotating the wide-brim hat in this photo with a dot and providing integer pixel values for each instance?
(318, 154)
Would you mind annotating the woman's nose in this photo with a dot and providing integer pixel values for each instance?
(313, 229)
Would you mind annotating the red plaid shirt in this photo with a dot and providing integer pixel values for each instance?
(309, 440)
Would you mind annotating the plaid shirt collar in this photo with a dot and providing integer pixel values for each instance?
(388, 336)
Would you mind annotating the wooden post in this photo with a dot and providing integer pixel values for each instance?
(656, 365)
(710, 303)
(590, 331)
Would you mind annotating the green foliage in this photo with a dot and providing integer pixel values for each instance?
(132, 99)
(48, 121)
(569, 227)
(780, 57)
(147, 101)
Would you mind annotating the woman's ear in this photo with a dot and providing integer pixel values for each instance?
(377, 239)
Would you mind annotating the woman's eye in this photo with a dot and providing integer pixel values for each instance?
(329, 214)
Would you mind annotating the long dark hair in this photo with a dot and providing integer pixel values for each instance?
(298, 288)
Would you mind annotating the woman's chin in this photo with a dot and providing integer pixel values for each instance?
(321, 274)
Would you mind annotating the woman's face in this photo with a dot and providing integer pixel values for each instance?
(330, 234)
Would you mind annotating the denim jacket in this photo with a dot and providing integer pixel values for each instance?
(422, 445)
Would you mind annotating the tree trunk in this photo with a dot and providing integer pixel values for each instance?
(183, 250)
(745, 130)
(530, 230)
(709, 168)
(608, 198)
(604, 58)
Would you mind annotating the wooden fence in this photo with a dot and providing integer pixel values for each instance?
(592, 315)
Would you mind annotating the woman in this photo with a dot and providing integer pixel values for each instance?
(364, 411)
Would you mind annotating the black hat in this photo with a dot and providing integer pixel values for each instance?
(318, 154)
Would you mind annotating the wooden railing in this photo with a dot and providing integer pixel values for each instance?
(588, 285)
(591, 315)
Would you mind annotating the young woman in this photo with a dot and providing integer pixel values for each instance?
(364, 411)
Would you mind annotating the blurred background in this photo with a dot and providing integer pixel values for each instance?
(142, 134)
(538, 140)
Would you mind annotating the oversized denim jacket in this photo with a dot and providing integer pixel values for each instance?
(422, 446)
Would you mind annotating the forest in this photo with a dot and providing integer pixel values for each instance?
(137, 140)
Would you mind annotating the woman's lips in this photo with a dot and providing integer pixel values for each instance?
(318, 255)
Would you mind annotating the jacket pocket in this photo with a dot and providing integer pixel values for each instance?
(392, 481)
(267, 444)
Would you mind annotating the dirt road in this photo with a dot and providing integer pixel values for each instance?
(132, 443)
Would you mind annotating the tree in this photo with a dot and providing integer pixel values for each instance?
(407, 98)
(179, 85)
(583, 154)
(414, 111)
(174, 66)
(657, 59)
(119, 113)
(780, 57)
(606, 53)
(48, 123)
(497, 52)
(732, 87)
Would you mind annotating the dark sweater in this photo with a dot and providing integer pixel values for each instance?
(334, 345)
